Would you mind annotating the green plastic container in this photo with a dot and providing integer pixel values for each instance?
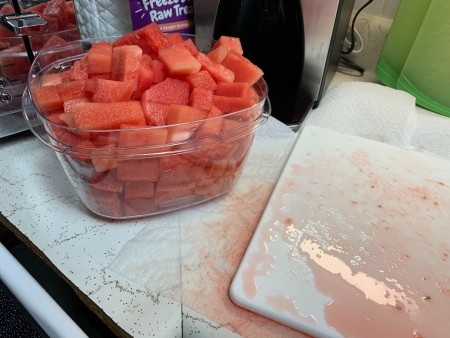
(405, 27)
(426, 73)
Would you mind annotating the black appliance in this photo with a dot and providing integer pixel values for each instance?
(296, 43)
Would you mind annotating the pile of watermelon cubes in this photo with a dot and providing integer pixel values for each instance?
(128, 109)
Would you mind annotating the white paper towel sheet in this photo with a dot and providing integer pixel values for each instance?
(214, 236)
(102, 18)
(369, 110)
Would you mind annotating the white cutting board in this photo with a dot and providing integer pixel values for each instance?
(354, 242)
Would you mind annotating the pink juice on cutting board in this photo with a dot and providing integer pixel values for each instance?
(353, 242)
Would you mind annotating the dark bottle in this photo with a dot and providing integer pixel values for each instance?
(271, 33)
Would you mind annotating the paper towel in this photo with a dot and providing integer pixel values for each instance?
(432, 133)
(102, 18)
(369, 110)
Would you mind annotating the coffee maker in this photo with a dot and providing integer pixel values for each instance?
(296, 43)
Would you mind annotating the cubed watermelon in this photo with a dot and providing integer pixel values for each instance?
(230, 42)
(174, 38)
(112, 91)
(79, 71)
(201, 99)
(141, 206)
(168, 91)
(139, 190)
(109, 182)
(190, 46)
(105, 202)
(159, 71)
(99, 58)
(178, 60)
(104, 158)
(229, 104)
(181, 114)
(139, 170)
(218, 54)
(239, 89)
(100, 116)
(146, 77)
(142, 137)
(126, 63)
(71, 90)
(155, 113)
(213, 124)
(202, 79)
(47, 98)
(217, 70)
(244, 70)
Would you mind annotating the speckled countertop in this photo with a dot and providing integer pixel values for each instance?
(126, 279)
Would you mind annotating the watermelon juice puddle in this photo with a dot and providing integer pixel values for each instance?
(170, 15)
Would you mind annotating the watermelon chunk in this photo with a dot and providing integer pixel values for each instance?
(217, 70)
(201, 99)
(150, 38)
(51, 79)
(139, 190)
(229, 104)
(126, 63)
(178, 60)
(159, 71)
(174, 38)
(239, 89)
(244, 70)
(95, 115)
(57, 9)
(190, 46)
(169, 195)
(146, 76)
(99, 58)
(108, 182)
(155, 113)
(218, 54)
(79, 71)
(202, 79)
(230, 42)
(142, 137)
(183, 114)
(213, 124)
(105, 202)
(140, 170)
(71, 90)
(112, 91)
(47, 98)
(107, 160)
(141, 206)
(169, 91)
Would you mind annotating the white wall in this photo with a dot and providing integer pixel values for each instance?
(384, 8)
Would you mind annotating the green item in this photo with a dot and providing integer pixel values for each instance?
(401, 37)
(427, 67)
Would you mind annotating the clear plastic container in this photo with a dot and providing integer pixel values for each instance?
(203, 160)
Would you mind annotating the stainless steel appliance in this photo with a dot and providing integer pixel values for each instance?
(296, 43)
(25, 28)
(16, 56)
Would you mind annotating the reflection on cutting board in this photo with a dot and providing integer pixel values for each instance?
(354, 242)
